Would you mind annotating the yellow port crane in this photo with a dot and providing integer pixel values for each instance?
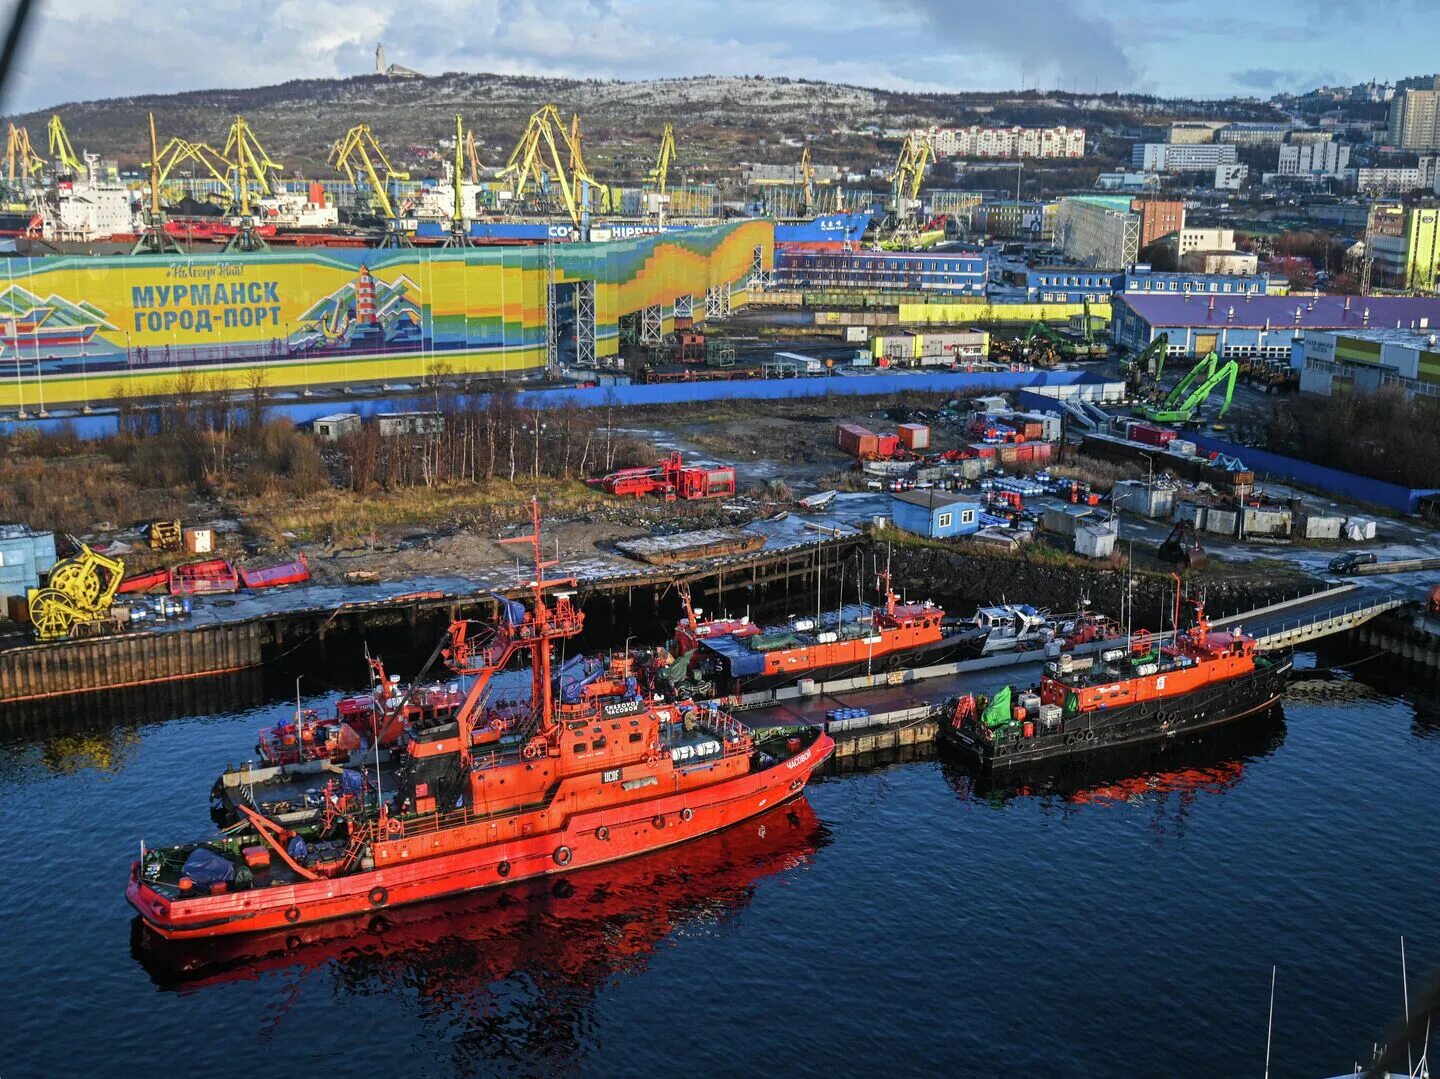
(539, 153)
(60, 147)
(156, 239)
(359, 147)
(21, 160)
(246, 156)
(472, 155)
(659, 176)
(458, 236)
(909, 171)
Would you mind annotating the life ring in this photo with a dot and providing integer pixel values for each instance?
(503, 869)
(652, 759)
(292, 915)
(659, 821)
(530, 752)
(395, 827)
(562, 855)
(378, 896)
(602, 833)
(686, 813)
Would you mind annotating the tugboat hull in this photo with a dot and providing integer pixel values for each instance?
(1209, 706)
(409, 876)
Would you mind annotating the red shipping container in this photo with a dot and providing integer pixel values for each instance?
(982, 449)
(1025, 452)
(915, 435)
(1009, 453)
(887, 445)
(1043, 451)
(852, 438)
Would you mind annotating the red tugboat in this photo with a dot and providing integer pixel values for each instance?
(1203, 678)
(577, 785)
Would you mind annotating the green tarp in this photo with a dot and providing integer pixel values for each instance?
(997, 712)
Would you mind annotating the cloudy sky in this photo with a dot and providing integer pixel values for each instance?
(84, 49)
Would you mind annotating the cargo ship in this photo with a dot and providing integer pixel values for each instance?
(855, 639)
(1143, 692)
(471, 807)
(825, 232)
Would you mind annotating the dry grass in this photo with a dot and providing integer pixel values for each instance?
(74, 494)
(1101, 475)
(339, 516)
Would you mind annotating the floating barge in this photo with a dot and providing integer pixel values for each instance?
(690, 546)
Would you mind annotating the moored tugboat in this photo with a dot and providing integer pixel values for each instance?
(1135, 694)
(473, 805)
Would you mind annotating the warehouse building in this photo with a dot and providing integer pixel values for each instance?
(1265, 326)
(945, 273)
(1366, 360)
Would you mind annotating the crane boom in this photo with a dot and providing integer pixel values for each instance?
(547, 148)
(659, 177)
(21, 160)
(60, 147)
(360, 145)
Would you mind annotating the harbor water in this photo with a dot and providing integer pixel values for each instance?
(1117, 918)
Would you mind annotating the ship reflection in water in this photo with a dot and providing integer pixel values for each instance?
(1163, 773)
(558, 939)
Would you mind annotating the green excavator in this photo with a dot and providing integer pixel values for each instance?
(1181, 404)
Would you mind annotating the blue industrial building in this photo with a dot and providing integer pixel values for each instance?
(1069, 284)
(935, 514)
(1143, 279)
(24, 556)
(1265, 326)
(947, 273)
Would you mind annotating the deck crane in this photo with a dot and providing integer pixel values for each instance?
(538, 158)
(60, 147)
(156, 239)
(247, 157)
(1192, 391)
(21, 160)
(359, 146)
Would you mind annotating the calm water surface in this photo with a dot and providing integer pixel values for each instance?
(1117, 919)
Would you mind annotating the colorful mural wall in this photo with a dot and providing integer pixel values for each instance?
(77, 330)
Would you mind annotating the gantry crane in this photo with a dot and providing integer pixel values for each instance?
(360, 147)
(659, 176)
(472, 155)
(21, 160)
(247, 157)
(458, 237)
(909, 171)
(60, 148)
(156, 239)
(539, 153)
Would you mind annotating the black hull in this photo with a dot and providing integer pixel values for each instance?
(1132, 725)
(950, 650)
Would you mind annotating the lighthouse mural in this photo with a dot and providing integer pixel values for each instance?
(367, 312)
(365, 298)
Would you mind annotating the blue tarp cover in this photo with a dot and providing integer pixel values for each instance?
(205, 867)
(297, 849)
(741, 660)
(351, 781)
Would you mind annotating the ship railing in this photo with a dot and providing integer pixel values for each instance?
(443, 820)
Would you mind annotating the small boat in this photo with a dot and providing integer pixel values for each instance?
(214, 575)
(818, 501)
(296, 572)
(1010, 627)
(1136, 693)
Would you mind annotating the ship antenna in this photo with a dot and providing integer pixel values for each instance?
(1270, 1027)
(1405, 985)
